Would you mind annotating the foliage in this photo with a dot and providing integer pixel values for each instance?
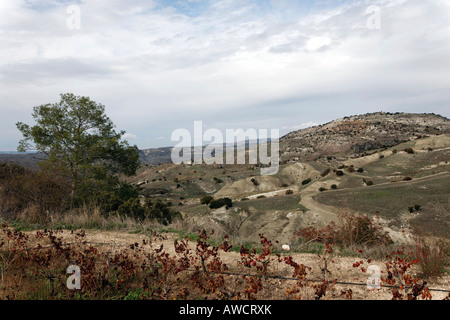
(206, 199)
(404, 285)
(80, 143)
(431, 254)
(360, 230)
(254, 181)
(22, 189)
(35, 266)
(306, 181)
(219, 203)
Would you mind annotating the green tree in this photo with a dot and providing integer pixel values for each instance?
(79, 141)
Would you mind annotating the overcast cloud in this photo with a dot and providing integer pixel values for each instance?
(161, 65)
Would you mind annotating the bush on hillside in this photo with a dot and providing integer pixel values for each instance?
(206, 199)
(339, 173)
(306, 181)
(350, 230)
(219, 203)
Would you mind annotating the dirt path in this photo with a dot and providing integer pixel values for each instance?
(318, 212)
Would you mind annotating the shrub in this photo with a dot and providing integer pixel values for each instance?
(289, 192)
(206, 199)
(369, 183)
(43, 190)
(325, 172)
(351, 230)
(132, 208)
(360, 170)
(322, 189)
(108, 201)
(160, 211)
(219, 203)
(306, 181)
(414, 207)
(351, 169)
(339, 173)
(217, 180)
(431, 255)
(407, 178)
(10, 170)
(254, 181)
(333, 186)
(409, 150)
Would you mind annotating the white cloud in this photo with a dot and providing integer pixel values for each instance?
(232, 63)
(129, 136)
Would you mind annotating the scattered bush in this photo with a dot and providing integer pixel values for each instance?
(132, 208)
(416, 207)
(219, 203)
(351, 230)
(217, 180)
(325, 172)
(150, 210)
(431, 255)
(206, 199)
(306, 181)
(44, 191)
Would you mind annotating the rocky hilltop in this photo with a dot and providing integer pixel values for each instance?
(360, 133)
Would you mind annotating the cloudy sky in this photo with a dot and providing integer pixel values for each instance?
(160, 65)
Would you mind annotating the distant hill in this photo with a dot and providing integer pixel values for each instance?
(156, 155)
(360, 133)
(349, 135)
(27, 160)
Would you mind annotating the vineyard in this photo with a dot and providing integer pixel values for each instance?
(164, 267)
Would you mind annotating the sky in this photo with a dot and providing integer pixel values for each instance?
(158, 66)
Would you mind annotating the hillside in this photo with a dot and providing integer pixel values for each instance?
(312, 158)
(360, 133)
(359, 163)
